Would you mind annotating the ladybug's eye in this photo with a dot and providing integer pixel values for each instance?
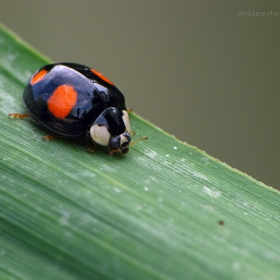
(115, 143)
(125, 142)
(125, 139)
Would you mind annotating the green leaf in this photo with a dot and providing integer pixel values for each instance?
(165, 210)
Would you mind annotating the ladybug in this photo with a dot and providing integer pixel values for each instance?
(74, 100)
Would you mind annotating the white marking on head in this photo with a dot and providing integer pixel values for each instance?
(126, 121)
(123, 140)
(100, 134)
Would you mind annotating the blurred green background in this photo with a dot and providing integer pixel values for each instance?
(204, 71)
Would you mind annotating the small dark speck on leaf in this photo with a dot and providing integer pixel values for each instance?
(221, 223)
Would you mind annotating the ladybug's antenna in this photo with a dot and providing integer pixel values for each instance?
(142, 138)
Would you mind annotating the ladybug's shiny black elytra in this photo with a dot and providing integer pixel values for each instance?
(94, 95)
(73, 100)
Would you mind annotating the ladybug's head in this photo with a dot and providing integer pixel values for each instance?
(112, 129)
(120, 143)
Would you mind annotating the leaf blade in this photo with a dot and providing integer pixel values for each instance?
(153, 214)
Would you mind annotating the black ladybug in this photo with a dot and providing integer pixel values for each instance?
(73, 100)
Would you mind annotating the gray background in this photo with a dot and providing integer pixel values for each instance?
(197, 69)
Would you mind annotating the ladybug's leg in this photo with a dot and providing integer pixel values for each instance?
(92, 143)
(49, 137)
(19, 116)
(111, 152)
(92, 149)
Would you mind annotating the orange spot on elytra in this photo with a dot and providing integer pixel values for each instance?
(101, 76)
(62, 101)
(38, 77)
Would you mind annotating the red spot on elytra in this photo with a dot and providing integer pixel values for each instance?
(62, 101)
(102, 77)
(38, 77)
